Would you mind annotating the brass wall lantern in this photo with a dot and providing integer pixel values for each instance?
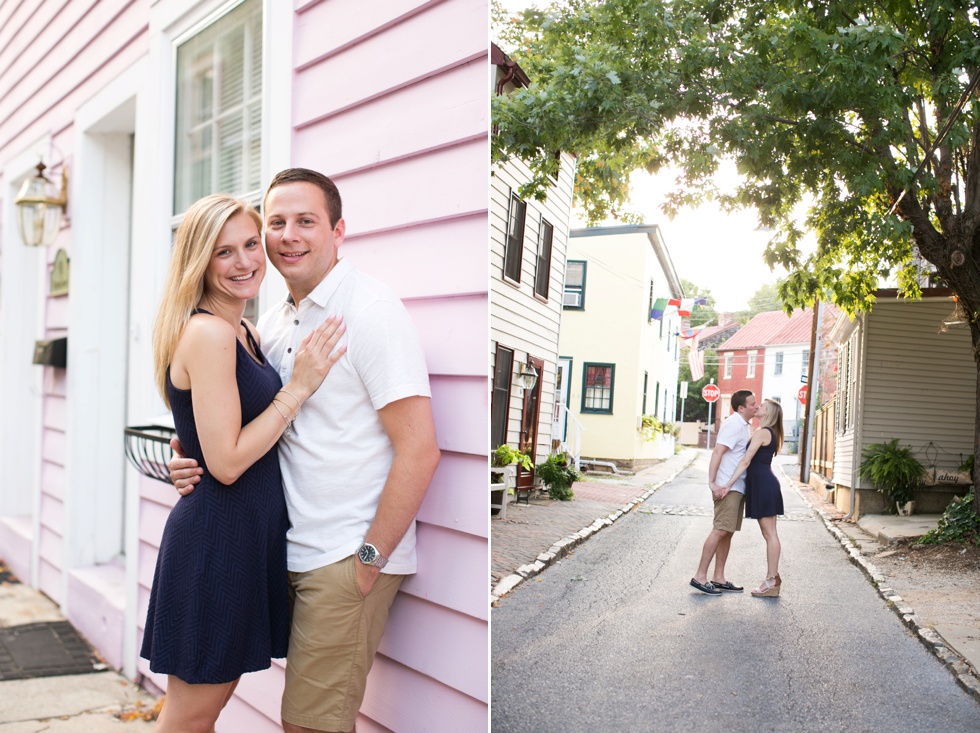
(527, 376)
(40, 207)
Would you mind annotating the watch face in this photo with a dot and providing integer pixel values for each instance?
(366, 554)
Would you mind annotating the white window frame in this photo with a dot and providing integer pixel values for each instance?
(252, 195)
(778, 364)
(750, 366)
(729, 359)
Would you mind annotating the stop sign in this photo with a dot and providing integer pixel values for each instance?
(710, 392)
(801, 395)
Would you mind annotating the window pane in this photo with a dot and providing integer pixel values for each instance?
(230, 153)
(219, 115)
(200, 163)
(500, 405)
(514, 256)
(231, 57)
(543, 272)
(253, 168)
(598, 388)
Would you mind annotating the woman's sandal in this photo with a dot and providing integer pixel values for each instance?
(769, 588)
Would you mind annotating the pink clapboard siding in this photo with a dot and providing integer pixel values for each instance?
(68, 68)
(403, 131)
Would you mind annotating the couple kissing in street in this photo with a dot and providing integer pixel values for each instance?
(742, 482)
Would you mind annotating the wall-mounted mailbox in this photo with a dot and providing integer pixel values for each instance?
(52, 352)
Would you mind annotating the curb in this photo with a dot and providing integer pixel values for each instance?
(565, 545)
(965, 674)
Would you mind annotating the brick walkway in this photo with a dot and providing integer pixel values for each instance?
(531, 529)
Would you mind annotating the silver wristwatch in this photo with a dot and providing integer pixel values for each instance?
(369, 555)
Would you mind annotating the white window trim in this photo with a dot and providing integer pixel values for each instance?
(750, 365)
(728, 366)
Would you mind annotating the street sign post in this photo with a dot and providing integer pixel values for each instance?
(683, 399)
(710, 393)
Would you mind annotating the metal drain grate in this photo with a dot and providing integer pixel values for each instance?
(47, 649)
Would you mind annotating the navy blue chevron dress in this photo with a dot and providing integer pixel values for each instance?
(219, 606)
(763, 496)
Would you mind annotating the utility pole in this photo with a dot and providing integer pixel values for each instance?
(811, 389)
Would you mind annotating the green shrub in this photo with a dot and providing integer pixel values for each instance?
(558, 475)
(959, 523)
(892, 470)
(504, 455)
(651, 427)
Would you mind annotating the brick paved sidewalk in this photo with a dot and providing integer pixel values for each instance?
(532, 529)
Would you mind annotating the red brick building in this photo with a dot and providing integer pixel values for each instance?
(742, 358)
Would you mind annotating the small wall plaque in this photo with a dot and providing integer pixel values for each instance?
(59, 274)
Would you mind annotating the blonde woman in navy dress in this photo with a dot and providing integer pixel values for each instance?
(219, 603)
(763, 498)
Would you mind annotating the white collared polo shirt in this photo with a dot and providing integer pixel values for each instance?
(734, 433)
(337, 457)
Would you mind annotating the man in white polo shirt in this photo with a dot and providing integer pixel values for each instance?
(730, 447)
(356, 463)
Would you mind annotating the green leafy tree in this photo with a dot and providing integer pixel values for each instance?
(864, 113)
(766, 298)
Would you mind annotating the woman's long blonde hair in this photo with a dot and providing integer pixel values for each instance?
(774, 419)
(193, 245)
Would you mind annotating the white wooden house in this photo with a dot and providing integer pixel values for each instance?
(899, 376)
(528, 239)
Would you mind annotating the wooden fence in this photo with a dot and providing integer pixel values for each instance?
(822, 457)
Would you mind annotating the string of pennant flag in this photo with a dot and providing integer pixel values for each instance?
(683, 306)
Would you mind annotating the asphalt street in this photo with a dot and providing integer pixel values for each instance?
(613, 638)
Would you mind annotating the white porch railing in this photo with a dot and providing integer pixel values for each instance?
(576, 449)
(509, 482)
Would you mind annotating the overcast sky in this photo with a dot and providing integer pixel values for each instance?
(721, 252)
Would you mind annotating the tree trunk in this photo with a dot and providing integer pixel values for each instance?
(965, 282)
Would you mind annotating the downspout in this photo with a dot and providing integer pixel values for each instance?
(511, 71)
(511, 67)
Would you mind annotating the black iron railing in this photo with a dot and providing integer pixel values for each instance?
(148, 449)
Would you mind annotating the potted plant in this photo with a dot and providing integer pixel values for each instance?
(894, 471)
(502, 457)
(558, 475)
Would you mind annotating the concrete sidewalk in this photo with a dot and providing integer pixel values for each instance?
(98, 702)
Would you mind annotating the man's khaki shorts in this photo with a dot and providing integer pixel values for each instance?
(334, 635)
(728, 513)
